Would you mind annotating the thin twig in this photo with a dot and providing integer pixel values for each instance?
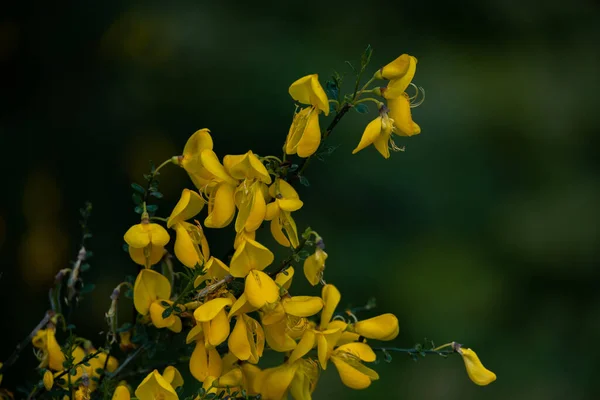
(414, 351)
(286, 262)
(127, 361)
(21, 345)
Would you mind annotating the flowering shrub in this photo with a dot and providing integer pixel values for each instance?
(218, 317)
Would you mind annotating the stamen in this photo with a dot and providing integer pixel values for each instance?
(339, 318)
(394, 147)
(351, 315)
(413, 100)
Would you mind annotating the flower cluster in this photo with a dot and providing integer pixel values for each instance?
(229, 311)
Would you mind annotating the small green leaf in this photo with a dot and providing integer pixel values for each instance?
(70, 327)
(87, 288)
(138, 188)
(137, 199)
(125, 327)
(158, 195)
(151, 208)
(303, 180)
(164, 304)
(129, 293)
(361, 108)
(125, 247)
(85, 267)
(167, 313)
(138, 210)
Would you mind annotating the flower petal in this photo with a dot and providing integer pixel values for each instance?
(475, 369)
(302, 306)
(155, 386)
(331, 297)
(383, 326)
(221, 206)
(189, 205)
(308, 90)
(305, 345)
(260, 289)
(370, 135)
(250, 255)
(149, 286)
(209, 310)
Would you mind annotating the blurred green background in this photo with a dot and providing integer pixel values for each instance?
(485, 231)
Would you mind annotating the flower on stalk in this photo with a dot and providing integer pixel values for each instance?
(479, 374)
(50, 355)
(150, 291)
(304, 136)
(279, 211)
(146, 242)
(155, 386)
(204, 361)
(191, 247)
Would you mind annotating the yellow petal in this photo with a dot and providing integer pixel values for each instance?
(250, 255)
(194, 334)
(205, 363)
(199, 141)
(155, 386)
(121, 393)
(302, 306)
(284, 278)
(55, 354)
(289, 225)
(230, 379)
(276, 381)
(331, 297)
(48, 380)
(354, 378)
(156, 312)
(322, 350)
(370, 135)
(272, 313)
(308, 90)
(360, 350)
(290, 204)
(311, 137)
(305, 345)
(314, 266)
(383, 326)
(189, 205)
(277, 232)
(401, 71)
(246, 166)
(252, 207)
(241, 306)
(137, 236)
(221, 206)
(138, 255)
(211, 308)
(211, 162)
(242, 236)
(219, 329)
(173, 376)
(260, 289)
(475, 369)
(399, 111)
(238, 341)
(149, 286)
(158, 235)
(186, 250)
(252, 377)
(277, 338)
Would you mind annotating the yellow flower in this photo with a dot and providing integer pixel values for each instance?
(203, 362)
(247, 340)
(121, 393)
(379, 133)
(213, 317)
(347, 359)
(214, 269)
(246, 166)
(398, 102)
(402, 67)
(191, 247)
(285, 201)
(304, 136)
(200, 161)
(275, 382)
(314, 265)
(382, 327)
(146, 243)
(305, 379)
(250, 255)
(150, 290)
(125, 343)
(221, 205)
(155, 386)
(173, 376)
(250, 201)
(48, 380)
(475, 369)
(51, 354)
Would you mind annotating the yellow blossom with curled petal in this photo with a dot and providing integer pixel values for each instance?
(247, 340)
(348, 361)
(146, 242)
(260, 289)
(154, 386)
(378, 133)
(304, 136)
(246, 166)
(204, 361)
(189, 205)
(285, 201)
(479, 374)
(402, 68)
(125, 343)
(314, 265)
(305, 379)
(150, 290)
(308, 90)
(52, 356)
(381, 327)
(121, 393)
(221, 205)
(214, 269)
(173, 376)
(213, 317)
(275, 382)
(242, 236)
(250, 255)
(250, 201)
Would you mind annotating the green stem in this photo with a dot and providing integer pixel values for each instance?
(159, 219)
(369, 99)
(285, 263)
(414, 351)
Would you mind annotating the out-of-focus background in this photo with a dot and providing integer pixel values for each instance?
(485, 231)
